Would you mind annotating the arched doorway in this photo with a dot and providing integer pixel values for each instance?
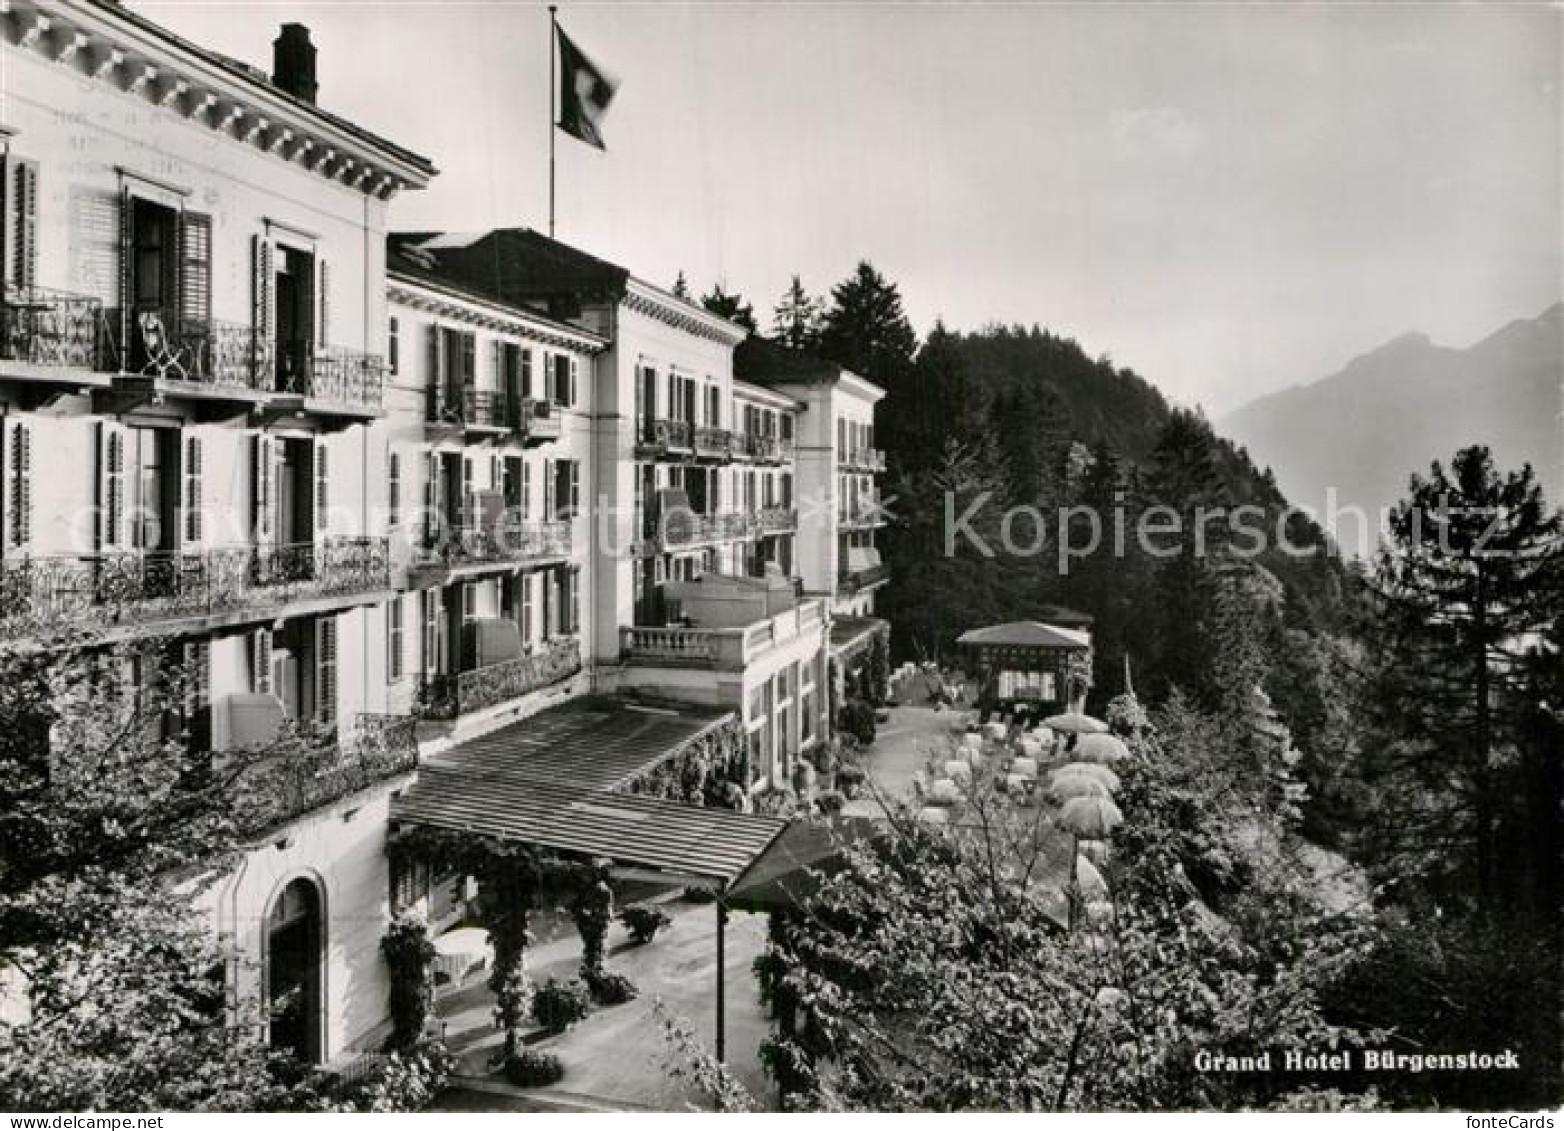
(295, 953)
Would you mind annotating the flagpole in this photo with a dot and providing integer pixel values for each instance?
(553, 93)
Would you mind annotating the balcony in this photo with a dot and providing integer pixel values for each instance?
(861, 515)
(450, 552)
(777, 520)
(204, 357)
(719, 649)
(105, 591)
(678, 529)
(660, 437)
(448, 696)
(862, 459)
(539, 420)
(713, 443)
(477, 412)
(851, 581)
(332, 378)
(50, 329)
(277, 790)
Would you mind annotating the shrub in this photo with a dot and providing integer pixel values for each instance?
(532, 1069)
(608, 988)
(405, 1080)
(643, 922)
(409, 954)
(850, 779)
(699, 895)
(559, 1005)
(856, 718)
(830, 802)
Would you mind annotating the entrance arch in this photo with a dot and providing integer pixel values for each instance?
(295, 961)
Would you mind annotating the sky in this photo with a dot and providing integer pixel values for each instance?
(1227, 199)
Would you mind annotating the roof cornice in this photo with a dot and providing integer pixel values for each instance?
(654, 302)
(432, 298)
(109, 44)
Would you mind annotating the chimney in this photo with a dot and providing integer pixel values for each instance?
(293, 62)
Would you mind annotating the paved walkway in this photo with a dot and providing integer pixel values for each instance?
(903, 744)
(618, 1057)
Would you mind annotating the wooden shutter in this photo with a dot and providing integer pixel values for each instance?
(431, 644)
(21, 222)
(326, 670)
(393, 489)
(394, 639)
(467, 517)
(261, 661)
(127, 241)
(549, 501)
(431, 487)
(526, 373)
(525, 581)
(263, 314)
(526, 490)
(575, 487)
(323, 337)
(19, 486)
(575, 369)
(574, 577)
(195, 525)
(469, 360)
(263, 497)
(195, 267)
(322, 488)
(111, 494)
(94, 243)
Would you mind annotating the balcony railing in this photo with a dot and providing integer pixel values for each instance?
(451, 695)
(288, 786)
(509, 540)
(853, 581)
(687, 528)
(723, 649)
(41, 326)
(539, 419)
(666, 435)
(862, 514)
(775, 519)
(863, 459)
(713, 442)
(200, 351)
(473, 408)
(332, 374)
(39, 593)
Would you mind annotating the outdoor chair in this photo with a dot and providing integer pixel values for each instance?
(163, 358)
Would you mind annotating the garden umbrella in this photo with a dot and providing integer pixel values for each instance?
(1090, 818)
(1089, 880)
(1103, 748)
(1093, 770)
(1073, 722)
(1067, 787)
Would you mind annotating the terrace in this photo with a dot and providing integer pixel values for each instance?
(720, 647)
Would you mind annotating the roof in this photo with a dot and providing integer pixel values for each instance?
(255, 79)
(401, 269)
(849, 633)
(548, 781)
(1026, 634)
(766, 361)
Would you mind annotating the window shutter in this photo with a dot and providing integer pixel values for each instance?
(127, 237)
(575, 599)
(561, 378)
(526, 372)
(575, 487)
(324, 337)
(467, 492)
(19, 486)
(322, 490)
(469, 360)
(326, 670)
(21, 227)
(525, 581)
(394, 639)
(431, 519)
(195, 267)
(575, 369)
(194, 519)
(263, 320)
(261, 661)
(526, 490)
(393, 489)
(111, 498)
(549, 500)
(431, 643)
(263, 490)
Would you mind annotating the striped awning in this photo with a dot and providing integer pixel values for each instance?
(549, 780)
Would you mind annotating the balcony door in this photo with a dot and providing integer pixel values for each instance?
(294, 287)
(152, 480)
(153, 270)
(295, 953)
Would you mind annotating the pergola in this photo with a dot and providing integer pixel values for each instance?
(555, 782)
(1024, 663)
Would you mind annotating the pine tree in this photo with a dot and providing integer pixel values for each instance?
(681, 286)
(867, 331)
(1469, 584)
(730, 306)
(798, 318)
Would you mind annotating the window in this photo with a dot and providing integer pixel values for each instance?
(564, 382)
(574, 579)
(394, 639)
(525, 581)
(394, 345)
(567, 489)
(326, 670)
(393, 489)
(409, 883)
(431, 642)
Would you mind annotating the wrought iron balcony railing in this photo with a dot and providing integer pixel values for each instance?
(344, 376)
(713, 442)
(200, 351)
(863, 459)
(508, 540)
(681, 527)
(44, 592)
(539, 418)
(665, 435)
(449, 695)
(472, 408)
(41, 326)
(292, 784)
